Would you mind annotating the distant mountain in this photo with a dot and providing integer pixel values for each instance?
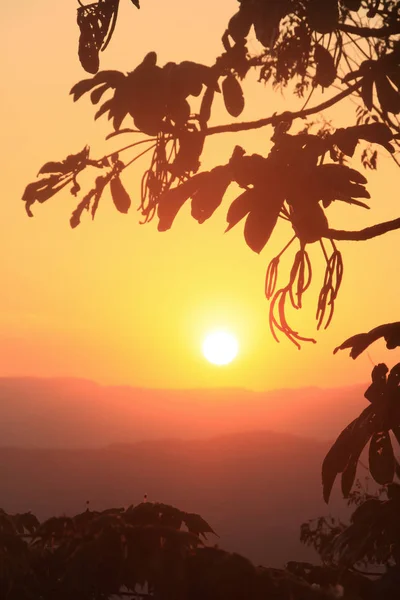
(72, 413)
(254, 488)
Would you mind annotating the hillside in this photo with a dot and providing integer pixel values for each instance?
(255, 488)
(71, 413)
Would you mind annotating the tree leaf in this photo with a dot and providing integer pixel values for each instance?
(262, 219)
(172, 201)
(367, 91)
(53, 167)
(197, 525)
(97, 93)
(240, 207)
(111, 78)
(360, 342)
(381, 458)
(388, 96)
(233, 95)
(337, 459)
(346, 446)
(119, 195)
(208, 196)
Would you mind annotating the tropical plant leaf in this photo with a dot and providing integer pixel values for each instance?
(110, 78)
(346, 448)
(172, 201)
(262, 219)
(208, 196)
(381, 458)
(367, 88)
(119, 195)
(361, 341)
(388, 96)
(240, 207)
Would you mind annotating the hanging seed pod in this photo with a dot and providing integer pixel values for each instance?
(325, 73)
(233, 95)
(271, 277)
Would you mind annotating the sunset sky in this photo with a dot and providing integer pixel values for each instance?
(121, 303)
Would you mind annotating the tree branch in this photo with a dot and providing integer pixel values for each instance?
(285, 116)
(376, 32)
(364, 234)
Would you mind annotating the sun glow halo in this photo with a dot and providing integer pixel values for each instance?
(220, 347)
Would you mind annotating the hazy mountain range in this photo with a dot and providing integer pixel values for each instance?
(73, 413)
(248, 462)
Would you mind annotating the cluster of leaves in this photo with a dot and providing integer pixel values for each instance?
(390, 332)
(293, 182)
(149, 550)
(373, 425)
(309, 43)
(300, 38)
(373, 536)
(362, 555)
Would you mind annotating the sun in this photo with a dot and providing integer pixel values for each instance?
(220, 347)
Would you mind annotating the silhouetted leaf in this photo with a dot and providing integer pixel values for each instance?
(240, 207)
(197, 525)
(347, 448)
(360, 342)
(171, 201)
(110, 78)
(53, 167)
(233, 95)
(337, 459)
(119, 195)
(367, 91)
(97, 93)
(262, 219)
(388, 96)
(209, 195)
(381, 458)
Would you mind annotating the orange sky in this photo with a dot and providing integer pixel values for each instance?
(121, 303)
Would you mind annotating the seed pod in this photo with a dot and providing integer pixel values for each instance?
(325, 73)
(119, 195)
(233, 95)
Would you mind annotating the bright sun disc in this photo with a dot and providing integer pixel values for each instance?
(220, 347)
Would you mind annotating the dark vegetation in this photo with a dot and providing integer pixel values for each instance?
(347, 48)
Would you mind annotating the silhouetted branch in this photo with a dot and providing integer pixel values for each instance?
(364, 234)
(376, 32)
(285, 116)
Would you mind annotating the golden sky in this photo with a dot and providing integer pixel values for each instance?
(122, 303)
